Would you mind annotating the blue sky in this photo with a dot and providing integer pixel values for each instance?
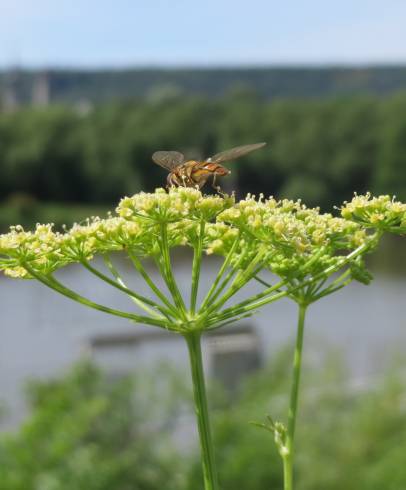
(96, 33)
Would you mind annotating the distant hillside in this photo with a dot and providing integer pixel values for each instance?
(97, 86)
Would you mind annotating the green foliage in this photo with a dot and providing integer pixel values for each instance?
(319, 150)
(23, 209)
(89, 433)
(358, 441)
(85, 433)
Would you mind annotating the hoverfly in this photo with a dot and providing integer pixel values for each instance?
(192, 173)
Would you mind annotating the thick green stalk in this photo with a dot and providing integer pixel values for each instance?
(202, 411)
(287, 473)
(293, 405)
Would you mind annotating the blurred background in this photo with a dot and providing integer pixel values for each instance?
(88, 91)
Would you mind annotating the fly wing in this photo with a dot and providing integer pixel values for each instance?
(237, 152)
(168, 159)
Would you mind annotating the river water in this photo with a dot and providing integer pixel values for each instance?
(43, 333)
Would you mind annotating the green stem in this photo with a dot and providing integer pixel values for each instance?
(340, 279)
(265, 297)
(346, 259)
(202, 412)
(197, 261)
(154, 288)
(142, 301)
(240, 280)
(220, 273)
(287, 473)
(119, 279)
(235, 273)
(167, 271)
(252, 303)
(262, 281)
(52, 283)
(294, 397)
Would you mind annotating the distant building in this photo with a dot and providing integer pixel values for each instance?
(18, 89)
(9, 91)
(40, 95)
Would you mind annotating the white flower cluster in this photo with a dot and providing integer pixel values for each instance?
(382, 212)
(285, 234)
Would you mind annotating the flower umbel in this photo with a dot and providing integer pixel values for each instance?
(298, 244)
(383, 213)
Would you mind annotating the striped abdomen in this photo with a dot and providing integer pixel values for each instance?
(194, 173)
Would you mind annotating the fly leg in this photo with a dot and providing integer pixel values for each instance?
(173, 181)
(217, 188)
(185, 180)
(169, 182)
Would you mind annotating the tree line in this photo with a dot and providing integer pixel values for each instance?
(284, 81)
(318, 150)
